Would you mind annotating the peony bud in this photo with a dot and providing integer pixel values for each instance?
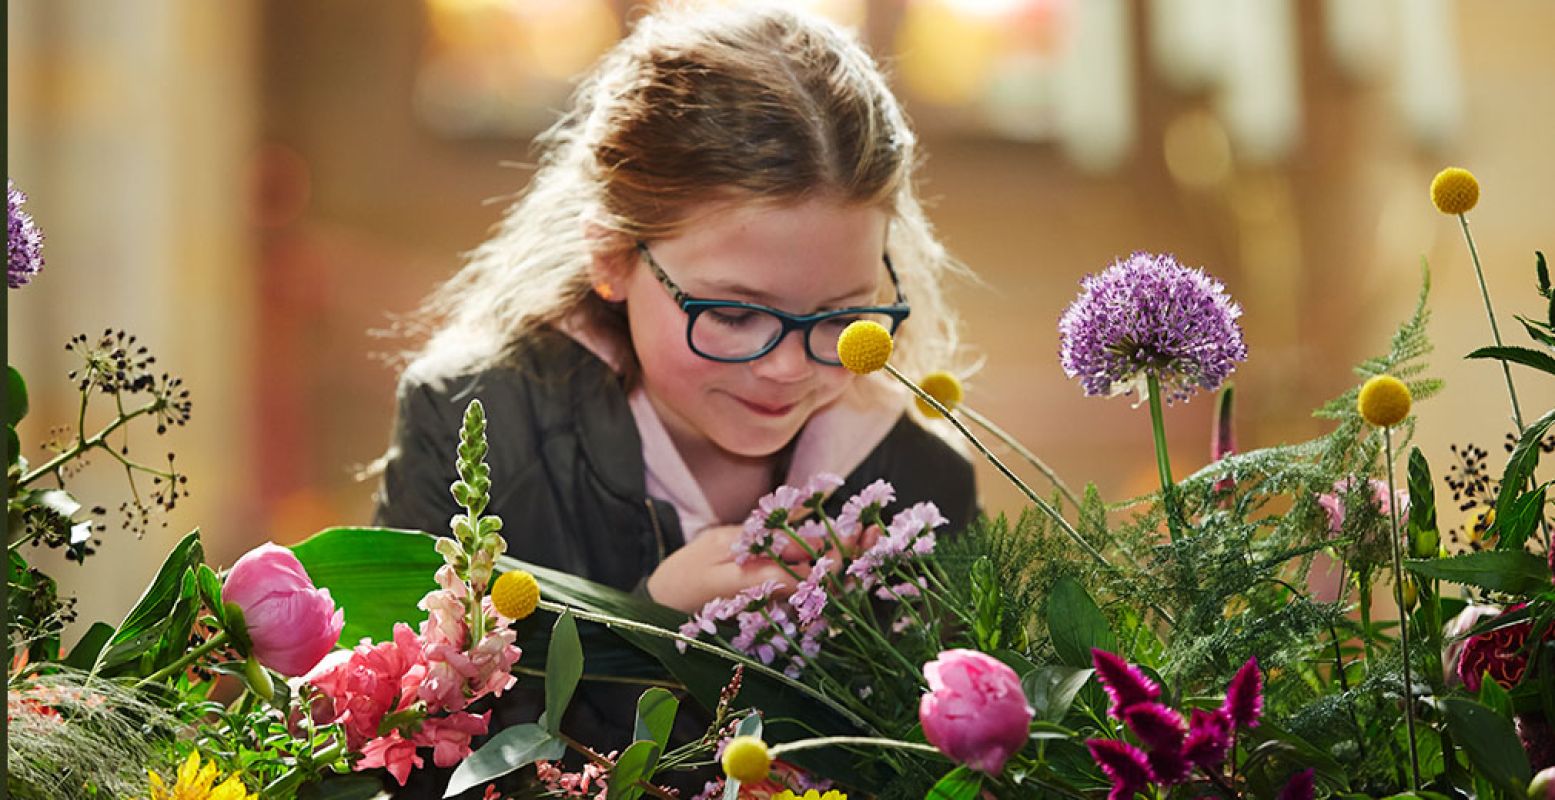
(290, 623)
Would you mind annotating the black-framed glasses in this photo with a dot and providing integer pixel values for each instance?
(734, 332)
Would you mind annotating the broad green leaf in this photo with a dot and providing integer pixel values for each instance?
(15, 396)
(376, 574)
(1490, 742)
(655, 716)
(1527, 511)
(1520, 465)
(958, 784)
(1510, 571)
(210, 592)
(510, 749)
(1075, 623)
(344, 787)
(1527, 356)
(1495, 698)
(153, 614)
(1051, 689)
(85, 653)
(563, 668)
(634, 764)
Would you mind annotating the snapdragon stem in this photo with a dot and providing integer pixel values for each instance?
(1403, 613)
(188, 658)
(739, 658)
(1162, 462)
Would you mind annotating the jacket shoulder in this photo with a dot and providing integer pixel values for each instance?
(922, 467)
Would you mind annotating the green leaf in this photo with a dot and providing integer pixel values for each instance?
(1495, 698)
(655, 716)
(1424, 537)
(344, 787)
(987, 600)
(958, 784)
(1510, 571)
(1490, 742)
(376, 574)
(13, 446)
(563, 668)
(210, 592)
(510, 749)
(154, 614)
(1527, 356)
(635, 764)
(1538, 331)
(1527, 511)
(85, 653)
(1051, 689)
(1520, 465)
(1542, 271)
(1075, 624)
(15, 396)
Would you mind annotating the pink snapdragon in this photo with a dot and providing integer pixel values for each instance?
(291, 623)
(974, 711)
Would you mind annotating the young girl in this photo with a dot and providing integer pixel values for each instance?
(652, 330)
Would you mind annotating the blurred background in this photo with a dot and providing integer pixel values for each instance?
(257, 189)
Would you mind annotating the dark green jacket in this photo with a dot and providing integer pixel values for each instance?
(568, 481)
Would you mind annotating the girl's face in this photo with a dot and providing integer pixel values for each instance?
(803, 258)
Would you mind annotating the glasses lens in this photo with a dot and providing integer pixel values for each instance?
(824, 336)
(734, 333)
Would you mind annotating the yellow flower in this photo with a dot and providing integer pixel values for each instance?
(515, 594)
(831, 794)
(941, 386)
(1384, 401)
(195, 783)
(864, 347)
(1454, 190)
(746, 758)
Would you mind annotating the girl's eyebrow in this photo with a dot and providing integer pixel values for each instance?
(767, 299)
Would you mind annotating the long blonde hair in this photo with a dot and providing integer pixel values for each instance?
(694, 106)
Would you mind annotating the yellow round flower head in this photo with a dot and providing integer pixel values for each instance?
(941, 386)
(1454, 190)
(515, 594)
(864, 347)
(746, 758)
(1384, 401)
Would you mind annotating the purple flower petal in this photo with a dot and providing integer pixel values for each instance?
(1124, 764)
(1209, 738)
(1125, 683)
(1244, 696)
(1299, 787)
(1156, 725)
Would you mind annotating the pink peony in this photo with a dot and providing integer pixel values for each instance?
(291, 624)
(974, 711)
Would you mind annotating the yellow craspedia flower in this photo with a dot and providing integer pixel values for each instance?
(1384, 401)
(195, 783)
(746, 758)
(515, 594)
(812, 794)
(864, 347)
(1454, 190)
(941, 386)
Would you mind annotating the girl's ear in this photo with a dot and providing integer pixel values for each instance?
(612, 257)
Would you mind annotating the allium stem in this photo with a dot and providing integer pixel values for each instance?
(1403, 613)
(1495, 331)
(1020, 450)
(1044, 505)
(1162, 462)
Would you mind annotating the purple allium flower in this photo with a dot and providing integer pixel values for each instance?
(1209, 738)
(1156, 725)
(1123, 764)
(1299, 787)
(1151, 314)
(1244, 696)
(24, 242)
(1125, 683)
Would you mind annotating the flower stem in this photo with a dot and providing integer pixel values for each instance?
(1162, 462)
(1506, 370)
(739, 658)
(188, 658)
(1021, 450)
(840, 741)
(1403, 613)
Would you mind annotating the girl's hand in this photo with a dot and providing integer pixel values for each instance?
(705, 569)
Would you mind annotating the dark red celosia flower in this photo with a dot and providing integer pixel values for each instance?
(1500, 652)
(1209, 738)
(1123, 764)
(1244, 696)
(1125, 683)
(1156, 725)
(1299, 787)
